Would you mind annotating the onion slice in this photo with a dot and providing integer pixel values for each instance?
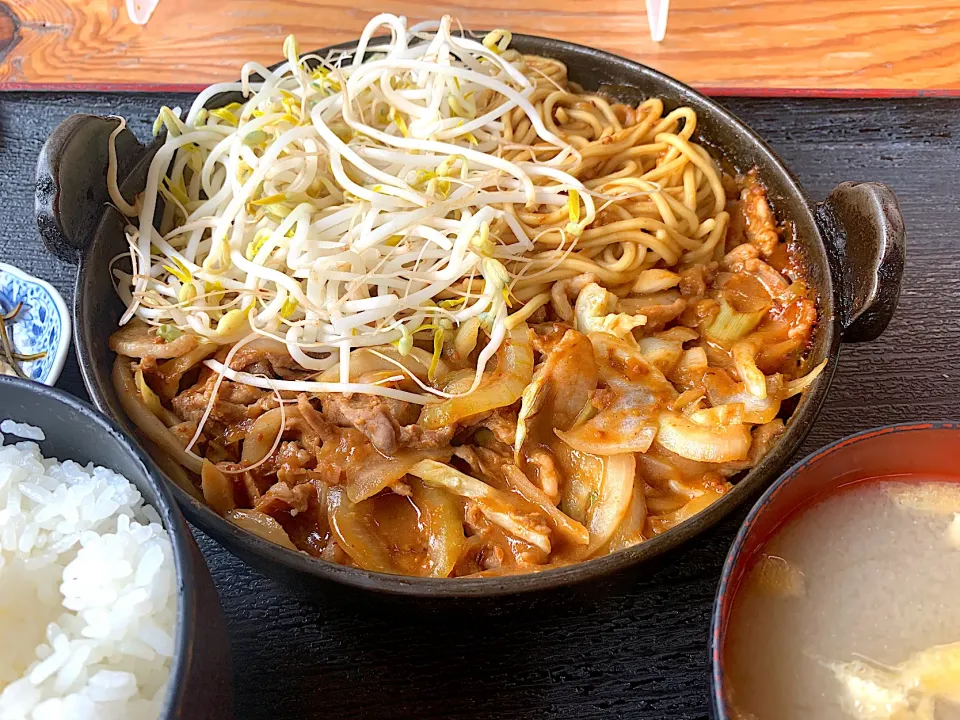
(217, 488)
(442, 517)
(261, 525)
(614, 494)
(704, 444)
(349, 527)
(499, 389)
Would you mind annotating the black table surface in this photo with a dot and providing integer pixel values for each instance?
(634, 648)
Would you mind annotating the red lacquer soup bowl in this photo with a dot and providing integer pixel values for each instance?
(920, 450)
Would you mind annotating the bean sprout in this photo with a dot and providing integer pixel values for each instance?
(343, 204)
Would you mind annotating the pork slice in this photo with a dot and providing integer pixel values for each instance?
(389, 424)
(761, 228)
(239, 393)
(282, 498)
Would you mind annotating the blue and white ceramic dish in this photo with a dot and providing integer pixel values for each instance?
(42, 325)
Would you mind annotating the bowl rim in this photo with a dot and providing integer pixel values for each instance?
(726, 594)
(269, 555)
(173, 522)
(66, 332)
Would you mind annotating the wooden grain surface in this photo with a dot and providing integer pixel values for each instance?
(632, 649)
(724, 46)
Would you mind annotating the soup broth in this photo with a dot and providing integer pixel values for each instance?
(853, 610)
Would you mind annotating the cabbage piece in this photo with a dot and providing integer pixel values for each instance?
(744, 356)
(626, 423)
(498, 389)
(721, 390)
(665, 349)
(500, 507)
(580, 473)
(636, 392)
(664, 521)
(730, 325)
(564, 524)
(686, 438)
(596, 491)
(560, 388)
(261, 525)
(594, 313)
(442, 516)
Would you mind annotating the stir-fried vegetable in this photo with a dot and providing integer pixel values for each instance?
(498, 506)
(594, 313)
(352, 529)
(635, 393)
(378, 472)
(443, 526)
(612, 500)
(262, 525)
(705, 444)
(501, 388)
(560, 388)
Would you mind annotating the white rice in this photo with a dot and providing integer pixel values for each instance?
(87, 591)
(30, 432)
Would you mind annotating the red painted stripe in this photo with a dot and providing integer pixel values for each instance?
(716, 91)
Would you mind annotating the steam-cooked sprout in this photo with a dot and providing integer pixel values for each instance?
(334, 205)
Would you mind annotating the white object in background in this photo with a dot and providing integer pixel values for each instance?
(140, 11)
(657, 11)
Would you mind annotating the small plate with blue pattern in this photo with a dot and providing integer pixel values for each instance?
(42, 325)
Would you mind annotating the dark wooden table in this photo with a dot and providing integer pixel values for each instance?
(635, 648)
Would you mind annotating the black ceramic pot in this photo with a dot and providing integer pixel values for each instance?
(853, 245)
(200, 679)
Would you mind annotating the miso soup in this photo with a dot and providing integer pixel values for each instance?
(853, 610)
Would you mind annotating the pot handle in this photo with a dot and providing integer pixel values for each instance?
(71, 191)
(867, 245)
